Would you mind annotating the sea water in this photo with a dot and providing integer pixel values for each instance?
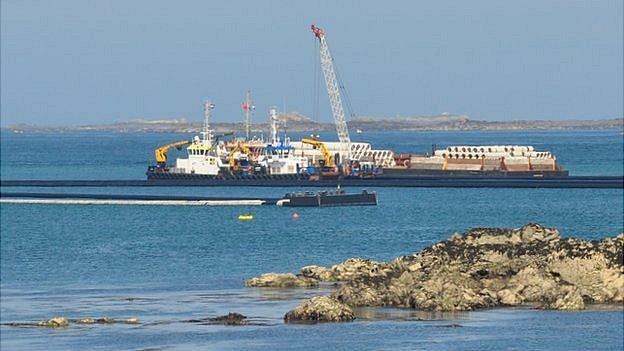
(168, 264)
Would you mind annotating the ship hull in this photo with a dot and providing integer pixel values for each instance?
(154, 173)
(412, 172)
(168, 180)
(551, 179)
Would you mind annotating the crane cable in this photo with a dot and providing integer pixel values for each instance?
(316, 77)
(342, 87)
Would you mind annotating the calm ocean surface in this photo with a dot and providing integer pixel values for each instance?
(166, 264)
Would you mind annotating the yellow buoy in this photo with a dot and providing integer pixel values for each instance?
(246, 217)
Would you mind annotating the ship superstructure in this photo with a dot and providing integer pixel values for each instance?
(280, 156)
(204, 154)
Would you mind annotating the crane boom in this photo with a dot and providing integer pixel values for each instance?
(333, 91)
(327, 157)
(161, 153)
(240, 147)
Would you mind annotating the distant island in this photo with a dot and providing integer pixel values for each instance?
(297, 122)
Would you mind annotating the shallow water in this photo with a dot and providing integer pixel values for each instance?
(167, 264)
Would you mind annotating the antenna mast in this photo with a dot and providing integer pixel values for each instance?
(248, 109)
(274, 122)
(207, 133)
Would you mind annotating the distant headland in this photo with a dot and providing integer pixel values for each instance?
(297, 122)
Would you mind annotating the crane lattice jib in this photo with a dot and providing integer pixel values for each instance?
(333, 92)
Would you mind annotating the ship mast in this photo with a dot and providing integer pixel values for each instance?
(274, 122)
(248, 108)
(207, 133)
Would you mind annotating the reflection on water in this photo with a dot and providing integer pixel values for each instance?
(172, 319)
(408, 315)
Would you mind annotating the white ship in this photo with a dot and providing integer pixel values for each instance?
(279, 156)
(205, 154)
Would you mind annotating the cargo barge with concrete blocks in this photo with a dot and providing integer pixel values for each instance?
(282, 161)
(480, 160)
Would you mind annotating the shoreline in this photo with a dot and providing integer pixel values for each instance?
(52, 132)
(481, 269)
(372, 125)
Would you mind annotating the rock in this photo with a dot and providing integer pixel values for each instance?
(359, 295)
(526, 234)
(535, 232)
(357, 268)
(132, 320)
(572, 300)
(487, 267)
(105, 320)
(454, 325)
(456, 237)
(319, 273)
(55, 322)
(281, 280)
(320, 309)
(229, 319)
(453, 291)
(509, 297)
(351, 269)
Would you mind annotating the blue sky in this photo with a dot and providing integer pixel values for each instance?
(79, 62)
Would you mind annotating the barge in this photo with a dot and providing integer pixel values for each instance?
(328, 198)
(301, 199)
(281, 161)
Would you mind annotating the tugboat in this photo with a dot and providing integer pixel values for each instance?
(205, 154)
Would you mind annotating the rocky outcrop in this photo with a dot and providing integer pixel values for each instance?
(320, 309)
(487, 267)
(105, 320)
(351, 269)
(231, 318)
(56, 322)
(318, 273)
(491, 267)
(62, 322)
(281, 280)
